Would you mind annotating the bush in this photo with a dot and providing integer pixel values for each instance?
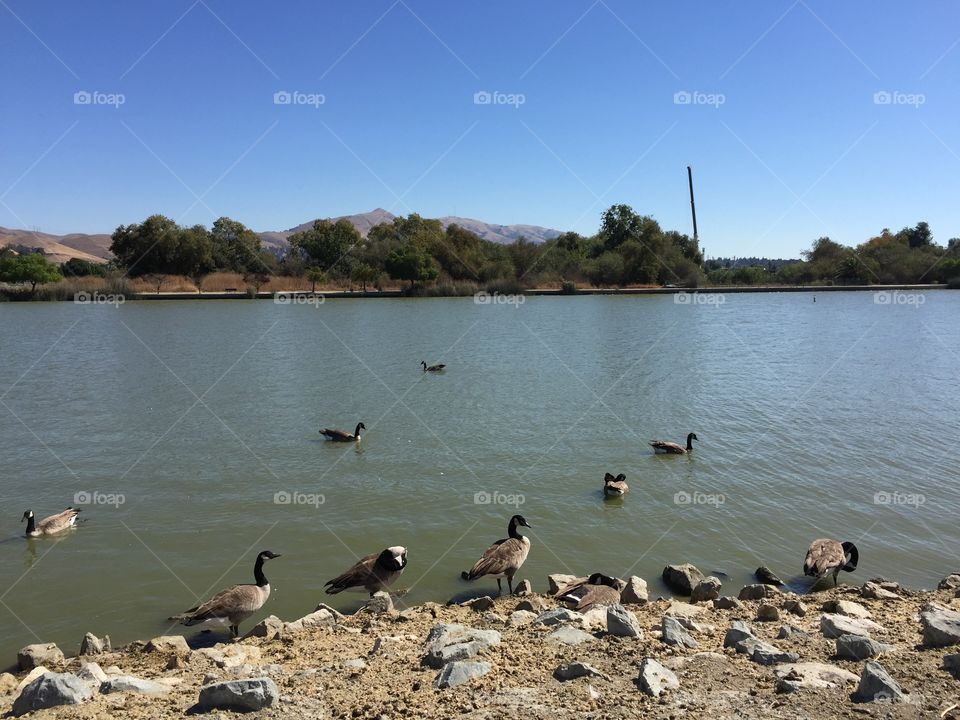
(568, 287)
(954, 283)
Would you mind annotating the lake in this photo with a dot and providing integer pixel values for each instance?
(189, 431)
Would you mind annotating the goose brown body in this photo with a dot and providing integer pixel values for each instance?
(50, 525)
(504, 557)
(371, 573)
(615, 486)
(827, 556)
(342, 435)
(664, 446)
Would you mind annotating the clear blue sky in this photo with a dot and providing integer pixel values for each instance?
(798, 148)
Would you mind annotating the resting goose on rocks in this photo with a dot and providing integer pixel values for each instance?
(50, 525)
(615, 486)
(342, 436)
(234, 604)
(596, 590)
(826, 556)
(663, 446)
(372, 573)
(504, 557)
(431, 368)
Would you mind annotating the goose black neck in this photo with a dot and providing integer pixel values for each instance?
(512, 530)
(258, 572)
(31, 524)
(690, 442)
(356, 430)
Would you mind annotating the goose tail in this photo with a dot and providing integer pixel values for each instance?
(465, 575)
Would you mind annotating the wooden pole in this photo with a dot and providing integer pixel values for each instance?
(693, 206)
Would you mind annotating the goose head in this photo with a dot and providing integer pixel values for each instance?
(27, 515)
(601, 579)
(520, 520)
(851, 556)
(692, 436)
(393, 558)
(267, 555)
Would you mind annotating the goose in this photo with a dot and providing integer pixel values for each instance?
(662, 446)
(431, 368)
(825, 556)
(371, 573)
(50, 525)
(596, 590)
(504, 557)
(615, 486)
(342, 436)
(234, 604)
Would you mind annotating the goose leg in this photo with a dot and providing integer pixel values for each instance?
(510, 583)
(234, 630)
(499, 587)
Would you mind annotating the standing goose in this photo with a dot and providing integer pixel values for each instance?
(615, 486)
(342, 436)
(234, 604)
(504, 557)
(50, 525)
(825, 556)
(596, 590)
(371, 573)
(431, 368)
(663, 446)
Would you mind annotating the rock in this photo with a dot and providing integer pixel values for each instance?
(635, 593)
(833, 626)
(317, 619)
(519, 618)
(673, 633)
(759, 592)
(380, 603)
(874, 591)
(857, 647)
(230, 656)
(654, 678)
(337, 615)
(706, 589)
(169, 643)
(523, 588)
(876, 684)
(795, 607)
(480, 604)
(8, 683)
(768, 613)
(558, 616)
(92, 645)
(951, 663)
(242, 695)
(682, 578)
(355, 664)
(568, 635)
(766, 576)
(787, 631)
(31, 676)
(811, 675)
(209, 678)
(51, 690)
(577, 670)
(92, 674)
(740, 637)
(459, 672)
(845, 607)
(449, 643)
(950, 582)
(491, 618)
(941, 627)
(621, 622)
(131, 684)
(387, 645)
(557, 581)
(33, 656)
(270, 628)
(684, 610)
(534, 604)
(766, 654)
(727, 603)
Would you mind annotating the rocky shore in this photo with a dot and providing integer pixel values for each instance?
(878, 650)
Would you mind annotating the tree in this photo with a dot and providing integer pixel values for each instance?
(363, 273)
(411, 263)
(315, 275)
(234, 246)
(159, 245)
(77, 267)
(32, 268)
(326, 243)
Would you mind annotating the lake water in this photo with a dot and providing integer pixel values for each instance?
(831, 418)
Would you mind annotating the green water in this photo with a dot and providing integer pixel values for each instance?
(199, 412)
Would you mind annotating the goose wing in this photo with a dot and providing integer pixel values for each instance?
(502, 556)
(571, 588)
(667, 446)
(598, 595)
(823, 556)
(234, 600)
(337, 434)
(57, 523)
(357, 576)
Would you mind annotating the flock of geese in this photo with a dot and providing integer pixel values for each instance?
(378, 571)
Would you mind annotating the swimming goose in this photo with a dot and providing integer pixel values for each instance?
(371, 573)
(234, 604)
(50, 525)
(615, 486)
(504, 557)
(825, 556)
(596, 590)
(341, 436)
(431, 368)
(662, 446)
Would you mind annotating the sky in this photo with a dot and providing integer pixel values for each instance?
(800, 118)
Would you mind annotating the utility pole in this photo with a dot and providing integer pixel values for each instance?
(693, 206)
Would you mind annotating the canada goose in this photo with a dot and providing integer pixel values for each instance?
(50, 525)
(662, 446)
(234, 604)
(615, 486)
(825, 556)
(372, 573)
(431, 368)
(504, 557)
(341, 436)
(596, 590)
